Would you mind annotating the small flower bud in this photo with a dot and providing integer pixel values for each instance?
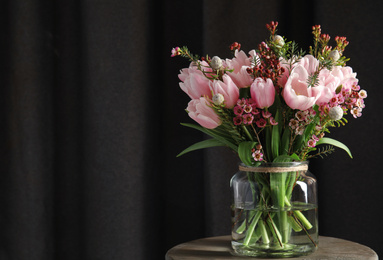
(216, 63)
(334, 55)
(259, 146)
(218, 99)
(335, 113)
(278, 40)
(338, 89)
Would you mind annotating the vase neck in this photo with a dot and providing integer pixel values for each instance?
(277, 167)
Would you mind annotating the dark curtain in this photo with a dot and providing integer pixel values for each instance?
(90, 112)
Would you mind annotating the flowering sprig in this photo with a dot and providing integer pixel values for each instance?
(327, 55)
(275, 97)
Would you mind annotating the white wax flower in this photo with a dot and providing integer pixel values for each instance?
(335, 113)
(279, 40)
(216, 63)
(218, 99)
(334, 55)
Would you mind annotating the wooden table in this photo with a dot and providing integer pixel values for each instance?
(219, 248)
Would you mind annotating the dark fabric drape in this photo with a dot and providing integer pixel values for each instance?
(90, 112)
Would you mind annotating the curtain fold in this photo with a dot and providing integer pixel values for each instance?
(91, 108)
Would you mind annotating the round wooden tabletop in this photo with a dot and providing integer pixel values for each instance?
(219, 248)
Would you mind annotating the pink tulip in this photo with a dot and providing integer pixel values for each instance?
(194, 83)
(240, 59)
(262, 92)
(338, 76)
(227, 88)
(296, 92)
(330, 83)
(204, 115)
(331, 80)
(239, 65)
(285, 75)
(241, 78)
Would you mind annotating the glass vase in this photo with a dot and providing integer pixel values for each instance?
(274, 210)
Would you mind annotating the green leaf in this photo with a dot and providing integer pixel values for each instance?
(275, 137)
(201, 145)
(330, 141)
(284, 148)
(308, 131)
(244, 152)
(268, 143)
(298, 142)
(213, 134)
(283, 158)
(295, 157)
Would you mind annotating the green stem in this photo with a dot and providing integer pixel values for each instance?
(242, 227)
(264, 235)
(299, 215)
(303, 219)
(294, 224)
(285, 227)
(278, 187)
(251, 228)
(247, 132)
(277, 236)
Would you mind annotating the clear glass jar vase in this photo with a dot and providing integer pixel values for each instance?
(274, 210)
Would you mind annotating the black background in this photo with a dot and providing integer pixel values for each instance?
(90, 110)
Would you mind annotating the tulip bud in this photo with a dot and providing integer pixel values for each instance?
(335, 113)
(218, 99)
(334, 55)
(278, 40)
(216, 63)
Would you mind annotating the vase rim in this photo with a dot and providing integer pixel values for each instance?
(276, 167)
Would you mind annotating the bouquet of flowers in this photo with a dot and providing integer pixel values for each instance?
(274, 104)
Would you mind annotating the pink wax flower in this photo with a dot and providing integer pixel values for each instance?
(257, 155)
(273, 121)
(194, 83)
(266, 114)
(175, 52)
(204, 115)
(297, 93)
(248, 119)
(237, 120)
(262, 92)
(311, 143)
(248, 109)
(238, 110)
(227, 88)
(241, 102)
(261, 122)
(356, 112)
(293, 123)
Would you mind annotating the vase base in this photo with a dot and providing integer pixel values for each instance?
(266, 251)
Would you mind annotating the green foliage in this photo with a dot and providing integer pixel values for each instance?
(275, 136)
(285, 142)
(187, 54)
(216, 134)
(321, 152)
(333, 142)
(201, 145)
(244, 152)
